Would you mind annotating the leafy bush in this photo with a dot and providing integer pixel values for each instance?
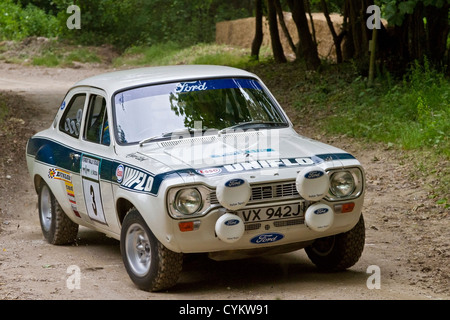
(413, 113)
(17, 23)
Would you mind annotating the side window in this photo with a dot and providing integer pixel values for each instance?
(97, 128)
(71, 120)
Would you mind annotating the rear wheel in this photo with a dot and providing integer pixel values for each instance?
(56, 227)
(150, 265)
(340, 251)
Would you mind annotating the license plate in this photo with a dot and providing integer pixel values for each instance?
(271, 213)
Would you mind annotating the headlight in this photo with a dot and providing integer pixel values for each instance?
(188, 201)
(342, 184)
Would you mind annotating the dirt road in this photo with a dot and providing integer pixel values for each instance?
(407, 242)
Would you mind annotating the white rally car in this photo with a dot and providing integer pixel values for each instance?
(192, 159)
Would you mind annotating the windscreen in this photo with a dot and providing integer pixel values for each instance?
(216, 104)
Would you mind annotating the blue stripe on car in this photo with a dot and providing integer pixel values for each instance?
(53, 153)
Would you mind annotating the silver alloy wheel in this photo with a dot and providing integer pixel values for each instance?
(46, 208)
(138, 249)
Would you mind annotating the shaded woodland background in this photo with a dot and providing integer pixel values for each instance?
(414, 29)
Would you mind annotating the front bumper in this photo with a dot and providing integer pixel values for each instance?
(262, 234)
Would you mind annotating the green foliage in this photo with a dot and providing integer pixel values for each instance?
(412, 114)
(17, 23)
(396, 10)
(139, 22)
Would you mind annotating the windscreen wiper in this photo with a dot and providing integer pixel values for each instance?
(178, 134)
(253, 124)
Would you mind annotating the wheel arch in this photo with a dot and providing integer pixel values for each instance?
(122, 207)
(38, 180)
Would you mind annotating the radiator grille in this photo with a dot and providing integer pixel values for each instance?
(276, 191)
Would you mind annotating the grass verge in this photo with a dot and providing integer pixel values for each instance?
(40, 51)
(172, 54)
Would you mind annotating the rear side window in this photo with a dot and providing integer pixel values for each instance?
(97, 127)
(71, 120)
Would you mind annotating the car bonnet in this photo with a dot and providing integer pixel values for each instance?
(255, 150)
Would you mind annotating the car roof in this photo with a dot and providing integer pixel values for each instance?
(119, 80)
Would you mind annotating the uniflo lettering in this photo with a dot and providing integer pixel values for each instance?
(261, 164)
(137, 180)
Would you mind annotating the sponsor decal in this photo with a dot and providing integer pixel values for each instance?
(231, 222)
(191, 86)
(63, 105)
(209, 171)
(314, 174)
(234, 183)
(239, 152)
(90, 168)
(65, 176)
(321, 211)
(119, 173)
(71, 195)
(262, 164)
(136, 180)
(137, 157)
(59, 174)
(51, 173)
(267, 238)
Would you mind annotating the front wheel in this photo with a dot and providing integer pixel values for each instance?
(55, 224)
(150, 265)
(338, 252)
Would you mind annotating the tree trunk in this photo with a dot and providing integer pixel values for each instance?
(336, 39)
(283, 25)
(311, 19)
(258, 39)
(277, 48)
(437, 30)
(358, 35)
(308, 50)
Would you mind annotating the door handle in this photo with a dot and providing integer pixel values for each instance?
(74, 156)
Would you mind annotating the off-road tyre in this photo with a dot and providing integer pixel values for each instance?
(338, 252)
(57, 227)
(150, 265)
